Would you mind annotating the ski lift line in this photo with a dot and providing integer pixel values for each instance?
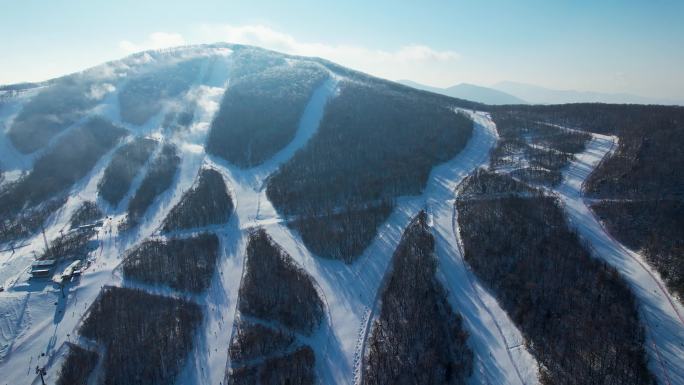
(15, 247)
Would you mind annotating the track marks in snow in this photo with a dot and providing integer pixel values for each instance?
(12, 320)
(495, 340)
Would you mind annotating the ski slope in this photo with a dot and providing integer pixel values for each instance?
(51, 319)
(36, 320)
(661, 314)
(500, 354)
(210, 358)
(352, 292)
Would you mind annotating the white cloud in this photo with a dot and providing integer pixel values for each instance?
(155, 40)
(411, 61)
(98, 91)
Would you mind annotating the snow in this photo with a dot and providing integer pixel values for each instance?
(12, 320)
(209, 360)
(501, 356)
(661, 314)
(351, 292)
(35, 318)
(51, 320)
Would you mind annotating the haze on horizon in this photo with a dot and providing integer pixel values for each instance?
(611, 46)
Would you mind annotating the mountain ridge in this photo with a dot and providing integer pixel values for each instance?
(469, 91)
(541, 95)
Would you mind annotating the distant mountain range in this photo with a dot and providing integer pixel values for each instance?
(540, 95)
(470, 92)
(508, 92)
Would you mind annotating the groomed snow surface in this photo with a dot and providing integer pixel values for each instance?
(36, 321)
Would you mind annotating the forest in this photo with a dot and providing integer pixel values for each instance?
(641, 181)
(73, 244)
(63, 103)
(147, 337)
(577, 315)
(69, 160)
(398, 87)
(274, 288)
(183, 264)
(342, 234)
(252, 341)
(512, 125)
(483, 182)
(275, 291)
(260, 112)
(77, 367)
(655, 228)
(647, 134)
(126, 163)
(29, 221)
(375, 142)
(144, 94)
(87, 213)
(534, 151)
(648, 162)
(247, 60)
(417, 338)
(296, 368)
(207, 203)
(158, 179)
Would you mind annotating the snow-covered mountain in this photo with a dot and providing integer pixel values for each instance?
(224, 214)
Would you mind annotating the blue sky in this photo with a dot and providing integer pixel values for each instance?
(602, 45)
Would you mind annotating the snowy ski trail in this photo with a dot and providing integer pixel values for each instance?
(660, 312)
(494, 338)
(54, 320)
(249, 197)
